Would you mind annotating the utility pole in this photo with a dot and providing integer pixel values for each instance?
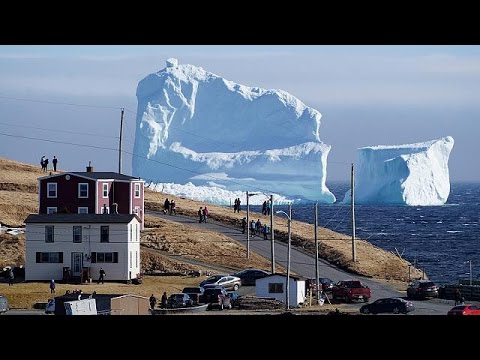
(354, 253)
(470, 261)
(120, 143)
(272, 236)
(288, 252)
(248, 228)
(317, 282)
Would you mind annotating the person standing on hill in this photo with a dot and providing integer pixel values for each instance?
(200, 214)
(205, 214)
(244, 225)
(164, 300)
(11, 276)
(54, 162)
(102, 275)
(52, 287)
(42, 162)
(45, 163)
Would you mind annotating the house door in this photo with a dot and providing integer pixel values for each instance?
(77, 262)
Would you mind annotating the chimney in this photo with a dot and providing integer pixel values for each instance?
(89, 167)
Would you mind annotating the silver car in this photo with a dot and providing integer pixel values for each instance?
(229, 282)
(3, 304)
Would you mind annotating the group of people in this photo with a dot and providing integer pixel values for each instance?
(153, 301)
(169, 207)
(236, 205)
(44, 163)
(202, 214)
(255, 227)
(266, 208)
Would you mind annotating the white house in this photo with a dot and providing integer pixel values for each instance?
(275, 285)
(78, 245)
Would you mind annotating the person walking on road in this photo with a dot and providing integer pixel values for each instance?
(153, 301)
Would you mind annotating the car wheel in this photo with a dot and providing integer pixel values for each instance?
(395, 310)
(229, 306)
(235, 287)
(365, 311)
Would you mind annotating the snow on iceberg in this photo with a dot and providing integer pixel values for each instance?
(413, 174)
(191, 122)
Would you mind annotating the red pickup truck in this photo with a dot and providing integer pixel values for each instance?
(351, 290)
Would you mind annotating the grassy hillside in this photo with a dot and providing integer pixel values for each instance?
(165, 239)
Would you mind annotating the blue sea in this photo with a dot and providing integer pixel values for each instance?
(439, 239)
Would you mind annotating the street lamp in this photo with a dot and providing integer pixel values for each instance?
(289, 217)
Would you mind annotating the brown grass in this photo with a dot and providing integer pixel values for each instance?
(333, 247)
(25, 295)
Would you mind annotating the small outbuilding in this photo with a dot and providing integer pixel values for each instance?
(275, 285)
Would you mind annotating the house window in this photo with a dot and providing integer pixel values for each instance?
(137, 190)
(51, 210)
(275, 288)
(49, 257)
(49, 234)
(104, 233)
(104, 257)
(105, 190)
(83, 190)
(105, 210)
(136, 211)
(131, 262)
(77, 234)
(51, 190)
(82, 210)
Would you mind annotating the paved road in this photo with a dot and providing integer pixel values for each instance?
(304, 264)
(25, 312)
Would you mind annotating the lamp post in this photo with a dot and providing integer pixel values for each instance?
(289, 216)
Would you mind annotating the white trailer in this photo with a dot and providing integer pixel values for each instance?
(81, 307)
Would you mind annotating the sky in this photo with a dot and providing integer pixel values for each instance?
(368, 95)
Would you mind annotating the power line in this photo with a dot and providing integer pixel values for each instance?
(56, 130)
(59, 103)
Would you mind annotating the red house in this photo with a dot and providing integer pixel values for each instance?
(91, 193)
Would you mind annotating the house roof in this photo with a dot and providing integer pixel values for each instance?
(97, 175)
(295, 277)
(80, 218)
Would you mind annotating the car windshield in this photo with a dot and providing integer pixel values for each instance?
(353, 284)
(459, 308)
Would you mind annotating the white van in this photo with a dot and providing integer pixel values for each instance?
(81, 307)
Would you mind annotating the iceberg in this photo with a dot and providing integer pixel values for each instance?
(413, 174)
(195, 127)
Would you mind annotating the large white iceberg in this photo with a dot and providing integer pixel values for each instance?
(413, 174)
(194, 126)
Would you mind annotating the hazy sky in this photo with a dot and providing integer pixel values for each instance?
(368, 95)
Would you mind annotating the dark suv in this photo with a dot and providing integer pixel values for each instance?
(422, 289)
(195, 293)
(179, 301)
(217, 297)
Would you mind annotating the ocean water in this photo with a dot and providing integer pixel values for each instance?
(439, 239)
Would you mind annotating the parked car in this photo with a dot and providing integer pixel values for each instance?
(349, 290)
(3, 304)
(217, 297)
(249, 276)
(195, 293)
(388, 305)
(179, 300)
(467, 309)
(229, 282)
(326, 283)
(422, 289)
